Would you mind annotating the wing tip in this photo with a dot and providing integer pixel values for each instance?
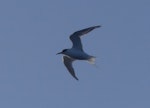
(76, 78)
(97, 26)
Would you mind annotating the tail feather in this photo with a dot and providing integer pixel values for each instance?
(91, 60)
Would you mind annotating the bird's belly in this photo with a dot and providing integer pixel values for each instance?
(80, 56)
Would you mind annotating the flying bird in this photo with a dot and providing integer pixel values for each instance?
(77, 52)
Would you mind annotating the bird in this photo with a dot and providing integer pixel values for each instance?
(77, 52)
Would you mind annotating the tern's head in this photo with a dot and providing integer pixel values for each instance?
(63, 51)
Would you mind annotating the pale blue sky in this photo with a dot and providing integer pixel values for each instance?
(33, 31)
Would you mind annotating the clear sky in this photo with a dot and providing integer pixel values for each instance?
(33, 76)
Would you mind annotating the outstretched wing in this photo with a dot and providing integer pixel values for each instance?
(68, 63)
(75, 37)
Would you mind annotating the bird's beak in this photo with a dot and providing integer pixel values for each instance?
(59, 53)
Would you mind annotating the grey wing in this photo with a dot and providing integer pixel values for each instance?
(75, 37)
(68, 63)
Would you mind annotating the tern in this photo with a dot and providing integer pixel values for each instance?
(77, 52)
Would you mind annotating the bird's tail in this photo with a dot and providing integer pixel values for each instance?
(91, 60)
